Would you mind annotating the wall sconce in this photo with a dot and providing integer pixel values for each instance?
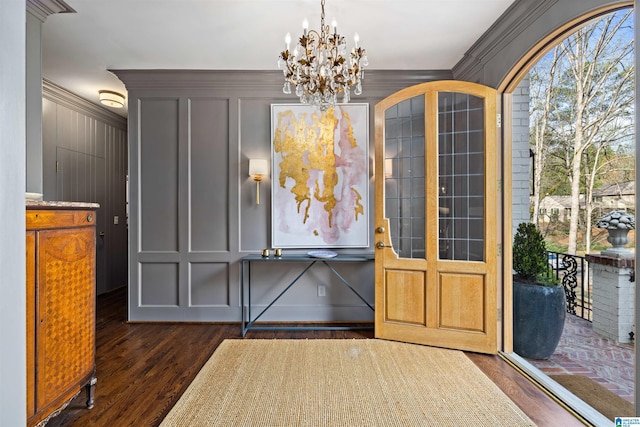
(388, 168)
(443, 188)
(111, 99)
(258, 169)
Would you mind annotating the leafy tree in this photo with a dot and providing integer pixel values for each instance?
(582, 109)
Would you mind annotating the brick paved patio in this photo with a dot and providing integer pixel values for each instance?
(581, 351)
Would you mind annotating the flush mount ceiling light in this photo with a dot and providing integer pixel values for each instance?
(319, 67)
(112, 99)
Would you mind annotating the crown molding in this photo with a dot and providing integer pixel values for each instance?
(197, 79)
(517, 31)
(43, 8)
(263, 82)
(59, 95)
(519, 16)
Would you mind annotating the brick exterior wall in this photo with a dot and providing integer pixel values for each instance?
(613, 297)
(520, 154)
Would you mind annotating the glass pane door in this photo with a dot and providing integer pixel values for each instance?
(435, 216)
(404, 165)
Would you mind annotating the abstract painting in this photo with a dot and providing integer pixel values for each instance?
(320, 176)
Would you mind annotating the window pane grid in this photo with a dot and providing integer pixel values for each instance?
(461, 176)
(404, 166)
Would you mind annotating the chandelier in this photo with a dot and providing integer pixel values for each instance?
(318, 67)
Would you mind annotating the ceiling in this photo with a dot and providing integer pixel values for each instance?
(79, 48)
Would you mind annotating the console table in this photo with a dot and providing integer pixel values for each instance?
(248, 322)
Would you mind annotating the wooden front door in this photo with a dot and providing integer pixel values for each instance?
(435, 216)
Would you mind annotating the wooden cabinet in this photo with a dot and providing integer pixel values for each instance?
(61, 271)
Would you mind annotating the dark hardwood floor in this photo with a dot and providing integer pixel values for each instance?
(143, 369)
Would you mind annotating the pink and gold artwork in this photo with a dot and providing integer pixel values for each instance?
(320, 176)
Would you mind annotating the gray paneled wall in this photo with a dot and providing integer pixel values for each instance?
(193, 210)
(85, 159)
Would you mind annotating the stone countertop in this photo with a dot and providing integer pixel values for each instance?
(40, 204)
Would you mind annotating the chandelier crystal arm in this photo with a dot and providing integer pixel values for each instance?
(318, 66)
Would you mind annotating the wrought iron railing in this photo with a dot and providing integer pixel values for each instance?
(573, 272)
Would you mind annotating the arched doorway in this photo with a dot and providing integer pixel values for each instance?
(508, 87)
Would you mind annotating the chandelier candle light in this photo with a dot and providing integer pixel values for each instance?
(318, 68)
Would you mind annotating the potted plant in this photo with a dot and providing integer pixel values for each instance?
(539, 301)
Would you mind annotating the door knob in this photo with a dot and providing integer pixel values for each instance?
(381, 245)
(101, 234)
(380, 230)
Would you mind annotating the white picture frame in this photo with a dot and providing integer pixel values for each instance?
(320, 176)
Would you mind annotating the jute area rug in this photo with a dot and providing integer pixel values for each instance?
(359, 382)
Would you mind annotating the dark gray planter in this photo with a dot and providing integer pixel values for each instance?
(538, 319)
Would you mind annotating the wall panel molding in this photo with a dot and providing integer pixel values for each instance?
(223, 119)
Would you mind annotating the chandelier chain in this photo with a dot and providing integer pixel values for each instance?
(322, 17)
